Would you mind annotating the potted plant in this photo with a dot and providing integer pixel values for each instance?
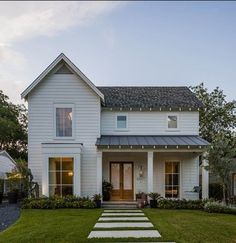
(106, 190)
(141, 199)
(97, 199)
(154, 197)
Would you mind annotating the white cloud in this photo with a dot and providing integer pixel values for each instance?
(20, 21)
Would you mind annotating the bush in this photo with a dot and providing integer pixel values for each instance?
(214, 207)
(180, 204)
(58, 202)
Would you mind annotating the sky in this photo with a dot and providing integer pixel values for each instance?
(120, 43)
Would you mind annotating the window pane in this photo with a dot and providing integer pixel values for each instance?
(127, 170)
(175, 167)
(175, 192)
(67, 163)
(172, 121)
(169, 179)
(67, 190)
(115, 175)
(63, 122)
(54, 190)
(175, 179)
(55, 177)
(168, 191)
(121, 122)
(54, 164)
(67, 177)
(168, 167)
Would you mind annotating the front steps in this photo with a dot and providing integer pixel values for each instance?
(120, 205)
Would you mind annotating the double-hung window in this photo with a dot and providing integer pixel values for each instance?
(64, 121)
(121, 122)
(172, 179)
(172, 122)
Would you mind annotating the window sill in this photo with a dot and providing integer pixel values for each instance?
(172, 130)
(64, 138)
(121, 130)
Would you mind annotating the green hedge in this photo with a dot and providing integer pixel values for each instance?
(180, 204)
(214, 207)
(58, 202)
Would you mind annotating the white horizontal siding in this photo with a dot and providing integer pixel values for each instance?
(64, 88)
(150, 123)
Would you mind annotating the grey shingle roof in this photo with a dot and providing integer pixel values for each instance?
(149, 97)
(164, 140)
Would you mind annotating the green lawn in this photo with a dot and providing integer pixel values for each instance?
(74, 225)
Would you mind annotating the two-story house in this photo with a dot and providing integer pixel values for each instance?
(141, 139)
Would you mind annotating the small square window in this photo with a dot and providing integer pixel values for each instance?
(121, 122)
(172, 122)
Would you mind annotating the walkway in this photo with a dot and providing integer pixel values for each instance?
(9, 213)
(118, 223)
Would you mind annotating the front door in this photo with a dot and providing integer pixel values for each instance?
(121, 176)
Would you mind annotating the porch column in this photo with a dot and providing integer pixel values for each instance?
(150, 171)
(99, 173)
(205, 177)
(77, 175)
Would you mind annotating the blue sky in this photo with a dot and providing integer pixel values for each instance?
(127, 43)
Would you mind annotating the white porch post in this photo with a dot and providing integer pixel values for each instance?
(99, 172)
(205, 178)
(77, 175)
(150, 171)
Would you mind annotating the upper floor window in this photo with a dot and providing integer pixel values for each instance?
(172, 121)
(121, 122)
(63, 119)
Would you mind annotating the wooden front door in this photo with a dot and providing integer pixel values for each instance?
(121, 177)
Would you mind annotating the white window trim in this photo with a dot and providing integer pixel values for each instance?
(172, 129)
(180, 179)
(64, 105)
(127, 122)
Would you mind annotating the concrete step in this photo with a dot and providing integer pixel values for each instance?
(124, 234)
(124, 225)
(120, 205)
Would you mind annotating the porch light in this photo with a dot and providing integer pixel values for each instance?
(70, 173)
(140, 171)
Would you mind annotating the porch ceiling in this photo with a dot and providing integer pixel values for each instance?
(132, 141)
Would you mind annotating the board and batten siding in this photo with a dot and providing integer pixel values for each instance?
(150, 123)
(63, 89)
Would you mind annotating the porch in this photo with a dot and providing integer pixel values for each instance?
(170, 169)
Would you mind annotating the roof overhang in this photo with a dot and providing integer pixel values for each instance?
(151, 108)
(61, 57)
(174, 142)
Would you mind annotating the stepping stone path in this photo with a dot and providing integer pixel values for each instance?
(122, 224)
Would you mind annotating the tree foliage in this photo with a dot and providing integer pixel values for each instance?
(221, 159)
(217, 116)
(13, 128)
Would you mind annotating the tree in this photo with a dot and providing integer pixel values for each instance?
(221, 163)
(13, 128)
(217, 115)
(217, 124)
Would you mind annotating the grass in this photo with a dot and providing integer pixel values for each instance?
(74, 225)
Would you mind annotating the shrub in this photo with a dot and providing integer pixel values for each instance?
(154, 196)
(214, 207)
(180, 204)
(57, 202)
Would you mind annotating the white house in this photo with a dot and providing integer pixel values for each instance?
(141, 139)
(7, 164)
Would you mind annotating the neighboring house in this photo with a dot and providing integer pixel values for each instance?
(142, 139)
(7, 164)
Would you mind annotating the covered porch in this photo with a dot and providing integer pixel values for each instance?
(168, 165)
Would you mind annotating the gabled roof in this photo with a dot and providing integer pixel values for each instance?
(150, 97)
(60, 58)
(5, 154)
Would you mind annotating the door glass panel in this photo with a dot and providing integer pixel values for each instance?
(115, 176)
(127, 172)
